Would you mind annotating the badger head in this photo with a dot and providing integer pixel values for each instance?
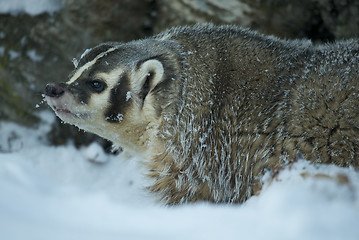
(117, 91)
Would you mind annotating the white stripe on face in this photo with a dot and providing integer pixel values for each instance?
(88, 65)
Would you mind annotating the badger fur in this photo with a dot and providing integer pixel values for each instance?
(213, 108)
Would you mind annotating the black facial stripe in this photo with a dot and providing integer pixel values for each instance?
(105, 64)
(94, 53)
(118, 101)
(80, 92)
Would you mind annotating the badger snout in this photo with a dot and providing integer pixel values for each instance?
(58, 97)
(55, 90)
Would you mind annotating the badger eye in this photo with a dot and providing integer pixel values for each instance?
(96, 85)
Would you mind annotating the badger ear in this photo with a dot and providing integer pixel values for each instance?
(148, 75)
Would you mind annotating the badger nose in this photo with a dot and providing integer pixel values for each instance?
(54, 90)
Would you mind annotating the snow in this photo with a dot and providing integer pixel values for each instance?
(85, 53)
(2, 51)
(13, 54)
(128, 96)
(31, 7)
(75, 62)
(34, 56)
(62, 192)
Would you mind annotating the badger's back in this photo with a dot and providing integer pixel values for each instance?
(324, 119)
(250, 103)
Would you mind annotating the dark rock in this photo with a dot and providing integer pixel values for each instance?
(319, 20)
(183, 12)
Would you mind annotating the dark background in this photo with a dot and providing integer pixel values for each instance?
(38, 49)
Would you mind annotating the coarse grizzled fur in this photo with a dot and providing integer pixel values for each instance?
(212, 108)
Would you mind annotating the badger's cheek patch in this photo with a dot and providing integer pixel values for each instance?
(119, 101)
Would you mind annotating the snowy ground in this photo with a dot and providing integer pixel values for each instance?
(57, 193)
(31, 7)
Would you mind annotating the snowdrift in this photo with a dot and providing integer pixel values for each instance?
(54, 193)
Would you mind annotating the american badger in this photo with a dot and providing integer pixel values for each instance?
(213, 108)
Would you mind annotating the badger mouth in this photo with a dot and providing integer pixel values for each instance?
(66, 112)
(62, 110)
